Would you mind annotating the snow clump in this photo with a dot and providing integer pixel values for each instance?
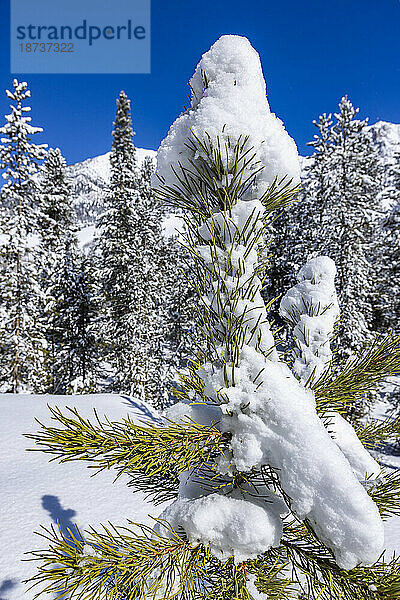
(311, 307)
(229, 100)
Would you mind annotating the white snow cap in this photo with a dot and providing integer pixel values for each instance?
(234, 105)
(311, 306)
(228, 526)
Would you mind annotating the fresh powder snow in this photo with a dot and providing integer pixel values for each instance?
(228, 526)
(228, 81)
(34, 491)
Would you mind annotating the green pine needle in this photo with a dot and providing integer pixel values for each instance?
(149, 454)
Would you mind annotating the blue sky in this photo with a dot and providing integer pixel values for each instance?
(312, 53)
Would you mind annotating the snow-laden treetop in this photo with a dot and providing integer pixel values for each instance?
(229, 101)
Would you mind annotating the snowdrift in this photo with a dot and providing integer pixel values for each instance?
(34, 491)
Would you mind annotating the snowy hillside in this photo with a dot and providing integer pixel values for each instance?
(387, 137)
(34, 491)
(89, 181)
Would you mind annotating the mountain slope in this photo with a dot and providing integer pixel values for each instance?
(386, 136)
(89, 181)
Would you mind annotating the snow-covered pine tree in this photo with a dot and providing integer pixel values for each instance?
(390, 289)
(72, 356)
(152, 286)
(181, 305)
(387, 260)
(351, 217)
(388, 254)
(318, 176)
(58, 241)
(268, 478)
(338, 215)
(304, 239)
(130, 263)
(20, 331)
(180, 300)
(57, 219)
(296, 235)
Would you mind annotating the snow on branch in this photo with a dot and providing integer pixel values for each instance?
(312, 309)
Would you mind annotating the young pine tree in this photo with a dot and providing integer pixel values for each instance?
(21, 339)
(267, 478)
(130, 264)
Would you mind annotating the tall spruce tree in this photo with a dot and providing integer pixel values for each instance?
(69, 311)
(129, 245)
(351, 218)
(150, 293)
(387, 247)
(56, 228)
(338, 215)
(57, 219)
(21, 338)
(268, 480)
(295, 236)
(387, 257)
(181, 303)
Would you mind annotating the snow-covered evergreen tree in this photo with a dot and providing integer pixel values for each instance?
(387, 254)
(20, 332)
(130, 265)
(295, 235)
(72, 355)
(338, 215)
(311, 210)
(182, 311)
(56, 230)
(389, 290)
(57, 214)
(348, 229)
(150, 266)
(267, 477)
(69, 309)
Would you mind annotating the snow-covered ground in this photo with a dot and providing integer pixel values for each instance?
(391, 461)
(34, 491)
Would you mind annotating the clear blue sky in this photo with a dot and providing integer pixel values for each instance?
(312, 53)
